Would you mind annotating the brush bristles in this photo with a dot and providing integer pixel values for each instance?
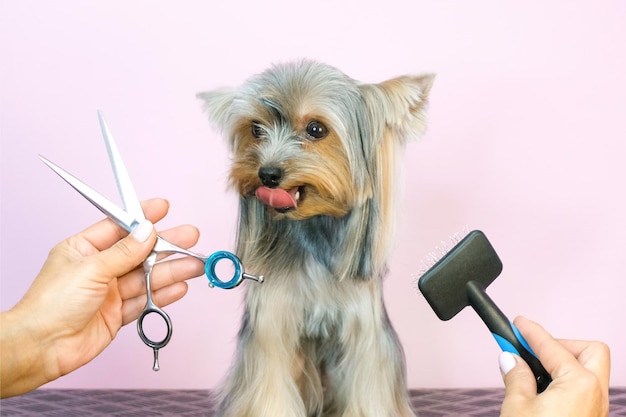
(441, 250)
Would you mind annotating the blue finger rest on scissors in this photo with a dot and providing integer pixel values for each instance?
(211, 263)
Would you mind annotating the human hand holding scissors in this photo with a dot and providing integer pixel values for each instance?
(129, 218)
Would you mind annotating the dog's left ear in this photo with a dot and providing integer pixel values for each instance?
(217, 104)
(401, 102)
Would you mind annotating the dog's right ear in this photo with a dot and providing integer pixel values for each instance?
(217, 104)
(400, 104)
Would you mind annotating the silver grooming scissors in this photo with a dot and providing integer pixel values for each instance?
(131, 216)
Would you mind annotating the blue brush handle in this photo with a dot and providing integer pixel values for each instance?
(506, 334)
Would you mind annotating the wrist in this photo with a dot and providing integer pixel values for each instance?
(26, 353)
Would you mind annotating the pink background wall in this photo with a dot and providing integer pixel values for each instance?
(526, 142)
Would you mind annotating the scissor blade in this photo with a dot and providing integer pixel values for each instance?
(122, 179)
(118, 215)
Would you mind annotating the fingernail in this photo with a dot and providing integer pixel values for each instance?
(142, 231)
(507, 362)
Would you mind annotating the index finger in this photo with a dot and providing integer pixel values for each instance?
(593, 355)
(553, 355)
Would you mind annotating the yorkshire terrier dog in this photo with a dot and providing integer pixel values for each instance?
(314, 163)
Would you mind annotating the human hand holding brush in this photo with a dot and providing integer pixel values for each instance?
(543, 376)
(579, 370)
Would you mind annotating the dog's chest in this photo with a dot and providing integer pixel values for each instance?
(323, 308)
(318, 305)
(301, 289)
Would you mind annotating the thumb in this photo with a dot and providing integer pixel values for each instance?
(518, 378)
(129, 252)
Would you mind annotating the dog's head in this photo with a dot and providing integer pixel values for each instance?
(308, 140)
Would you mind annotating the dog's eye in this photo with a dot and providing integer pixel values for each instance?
(316, 130)
(257, 130)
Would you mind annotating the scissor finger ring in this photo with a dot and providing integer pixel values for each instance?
(150, 309)
(238, 274)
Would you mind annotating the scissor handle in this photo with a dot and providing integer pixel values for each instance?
(214, 280)
(149, 309)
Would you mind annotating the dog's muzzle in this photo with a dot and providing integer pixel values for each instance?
(270, 195)
(270, 176)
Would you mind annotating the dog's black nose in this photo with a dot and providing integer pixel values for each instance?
(270, 176)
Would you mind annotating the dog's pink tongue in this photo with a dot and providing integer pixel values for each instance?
(277, 198)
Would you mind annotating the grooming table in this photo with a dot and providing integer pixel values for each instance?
(197, 403)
